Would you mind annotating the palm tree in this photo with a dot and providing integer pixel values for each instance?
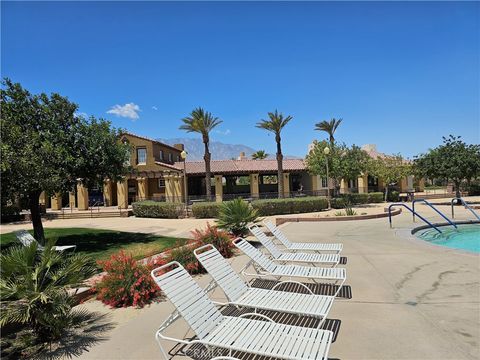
(329, 127)
(259, 155)
(202, 122)
(275, 124)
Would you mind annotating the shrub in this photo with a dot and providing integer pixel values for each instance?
(356, 199)
(33, 290)
(185, 256)
(393, 196)
(349, 211)
(153, 209)
(235, 215)
(270, 207)
(205, 210)
(376, 197)
(127, 282)
(220, 239)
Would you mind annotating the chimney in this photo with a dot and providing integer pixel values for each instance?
(242, 156)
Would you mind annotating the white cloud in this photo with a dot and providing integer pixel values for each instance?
(154, 108)
(129, 110)
(226, 132)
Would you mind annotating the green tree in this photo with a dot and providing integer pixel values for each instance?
(344, 162)
(454, 160)
(46, 147)
(275, 123)
(329, 127)
(259, 155)
(34, 288)
(390, 169)
(203, 122)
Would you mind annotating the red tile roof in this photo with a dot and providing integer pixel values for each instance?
(242, 166)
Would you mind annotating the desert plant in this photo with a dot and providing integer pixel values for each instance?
(235, 215)
(34, 288)
(349, 211)
(339, 213)
(183, 253)
(218, 238)
(127, 282)
(259, 155)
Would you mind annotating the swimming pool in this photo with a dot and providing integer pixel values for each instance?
(467, 237)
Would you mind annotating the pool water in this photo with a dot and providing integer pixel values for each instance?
(466, 237)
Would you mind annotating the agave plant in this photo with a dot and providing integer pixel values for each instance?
(34, 288)
(235, 215)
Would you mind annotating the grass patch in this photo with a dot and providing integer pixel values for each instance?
(101, 244)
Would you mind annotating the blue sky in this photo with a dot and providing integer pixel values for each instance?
(400, 74)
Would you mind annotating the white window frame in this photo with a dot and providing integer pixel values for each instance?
(160, 182)
(324, 182)
(170, 157)
(161, 155)
(138, 156)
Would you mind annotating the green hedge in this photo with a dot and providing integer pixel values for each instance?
(356, 199)
(154, 209)
(269, 207)
(205, 210)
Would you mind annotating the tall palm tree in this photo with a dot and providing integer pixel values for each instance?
(202, 122)
(275, 124)
(259, 155)
(329, 127)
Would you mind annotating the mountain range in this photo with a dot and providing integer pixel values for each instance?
(219, 150)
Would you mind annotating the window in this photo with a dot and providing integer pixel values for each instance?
(352, 183)
(178, 158)
(324, 182)
(161, 155)
(141, 156)
(161, 183)
(170, 157)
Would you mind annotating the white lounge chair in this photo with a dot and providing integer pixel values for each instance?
(266, 267)
(240, 293)
(26, 239)
(284, 257)
(259, 337)
(294, 246)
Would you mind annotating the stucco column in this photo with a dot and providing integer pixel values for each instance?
(169, 188)
(142, 188)
(421, 185)
(177, 184)
(82, 197)
(107, 193)
(286, 184)
(254, 187)
(43, 198)
(344, 187)
(218, 188)
(122, 194)
(316, 182)
(71, 200)
(362, 184)
(403, 185)
(56, 201)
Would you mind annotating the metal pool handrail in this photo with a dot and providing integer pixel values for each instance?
(464, 203)
(433, 208)
(411, 210)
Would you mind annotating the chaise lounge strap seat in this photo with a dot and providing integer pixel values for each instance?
(269, 268)
(294, 246)
(258, 337)
(240, 293)
(283, 257)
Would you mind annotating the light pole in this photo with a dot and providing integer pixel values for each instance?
(183, 155)
(326, 151)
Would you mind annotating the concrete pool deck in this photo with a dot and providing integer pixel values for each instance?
(411, 300)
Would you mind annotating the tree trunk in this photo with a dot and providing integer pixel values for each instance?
(34, 205)
(208, 175)
(280, 167)
(457, 189)
(386, 193)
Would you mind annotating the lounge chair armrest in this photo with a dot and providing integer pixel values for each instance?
(258, 315)
(224, 358)
(294, 282)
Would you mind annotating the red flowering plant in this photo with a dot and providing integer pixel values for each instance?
(185, 256)
(222, 240)
(127, 282)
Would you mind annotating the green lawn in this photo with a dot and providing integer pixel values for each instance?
(100, 244)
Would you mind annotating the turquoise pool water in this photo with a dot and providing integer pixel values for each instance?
(467, 237)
